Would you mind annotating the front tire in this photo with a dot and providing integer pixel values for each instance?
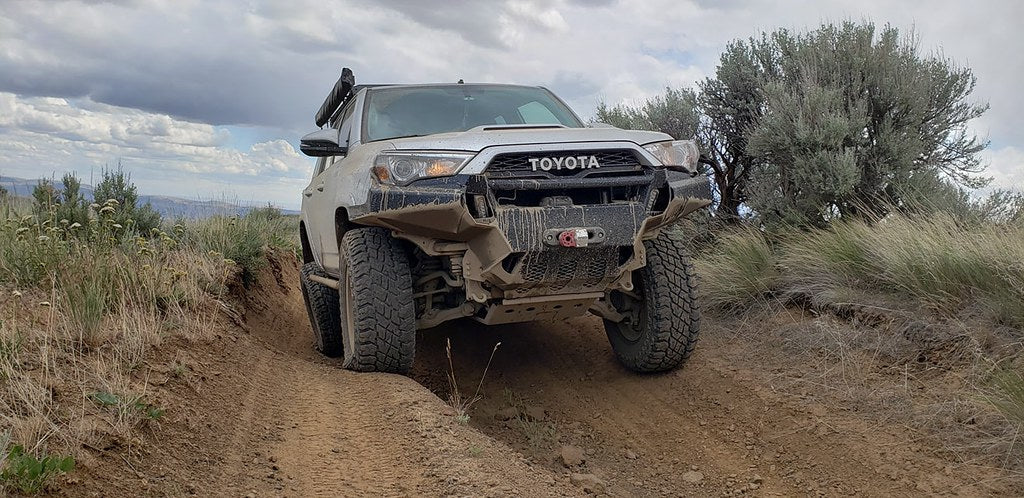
(322, 309)
(662, 313)
(377, 312)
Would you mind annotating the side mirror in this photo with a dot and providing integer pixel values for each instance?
(322, 143)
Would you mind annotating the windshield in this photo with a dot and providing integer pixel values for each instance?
(425, 110)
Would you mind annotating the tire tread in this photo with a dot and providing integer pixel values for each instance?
(672, 308)
(384, 314)
(322, 309)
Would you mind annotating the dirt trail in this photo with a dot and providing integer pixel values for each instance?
(264, 415)
(261, 414)
(651, 435)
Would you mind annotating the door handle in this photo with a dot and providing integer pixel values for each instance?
(320, 188)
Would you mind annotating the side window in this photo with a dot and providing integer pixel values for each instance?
(320, 165)
(345, 123)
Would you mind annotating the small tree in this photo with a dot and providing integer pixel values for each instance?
(71, 206)
(717, 118)
(117, 185)
(674, 113)
(811, 169)
(732, 103)
(44, 199)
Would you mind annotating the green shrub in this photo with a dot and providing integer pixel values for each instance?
(44, 196)
(127, 405)
(117, 185)
(71, 207)
(29, 251)
(28, 474)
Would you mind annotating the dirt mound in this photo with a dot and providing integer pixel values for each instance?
(255, 411)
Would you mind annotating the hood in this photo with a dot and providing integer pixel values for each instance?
(477, 139)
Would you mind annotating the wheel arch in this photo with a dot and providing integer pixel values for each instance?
(341, 224)
(307, 250)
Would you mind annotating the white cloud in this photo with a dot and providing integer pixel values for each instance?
(1006, 167)
(41, 135)
(157, 81)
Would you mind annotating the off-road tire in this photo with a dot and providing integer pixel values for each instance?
(322, 308)
(377, 312)
(670, 311)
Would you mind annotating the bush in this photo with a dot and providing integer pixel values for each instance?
(44, 195)
(71, 206)
(117, 185)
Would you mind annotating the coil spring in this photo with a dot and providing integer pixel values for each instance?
(456, 266)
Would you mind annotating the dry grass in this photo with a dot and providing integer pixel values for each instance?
(740, 272)
(932, 312)
(931, 383)
(80, 317)
(934, 262)
(456, 399)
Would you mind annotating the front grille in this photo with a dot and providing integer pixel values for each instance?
(517, 164)
(556, 268)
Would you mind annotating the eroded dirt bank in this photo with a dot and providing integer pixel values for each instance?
(256, 412)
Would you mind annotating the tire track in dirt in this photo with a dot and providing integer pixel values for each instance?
(284, 421)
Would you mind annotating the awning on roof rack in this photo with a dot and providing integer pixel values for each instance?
(337, 97)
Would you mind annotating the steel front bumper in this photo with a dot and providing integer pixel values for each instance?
(505, 254)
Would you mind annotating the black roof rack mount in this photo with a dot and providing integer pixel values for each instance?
(339, 94)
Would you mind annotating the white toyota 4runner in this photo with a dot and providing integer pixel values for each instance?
(432, 203)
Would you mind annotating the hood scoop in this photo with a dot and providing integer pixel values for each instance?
(516, 127)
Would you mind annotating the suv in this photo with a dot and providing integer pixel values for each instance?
(432, 203)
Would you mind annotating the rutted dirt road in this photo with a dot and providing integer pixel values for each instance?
(263, 415)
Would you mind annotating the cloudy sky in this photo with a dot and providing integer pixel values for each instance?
(206, 99)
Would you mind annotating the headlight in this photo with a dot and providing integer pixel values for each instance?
(682, 153)
(400, 168)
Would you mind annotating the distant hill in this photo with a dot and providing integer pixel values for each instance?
(168, 206)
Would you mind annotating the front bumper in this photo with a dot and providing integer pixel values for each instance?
(504, 250)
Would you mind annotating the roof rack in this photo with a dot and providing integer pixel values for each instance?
(341, 92)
